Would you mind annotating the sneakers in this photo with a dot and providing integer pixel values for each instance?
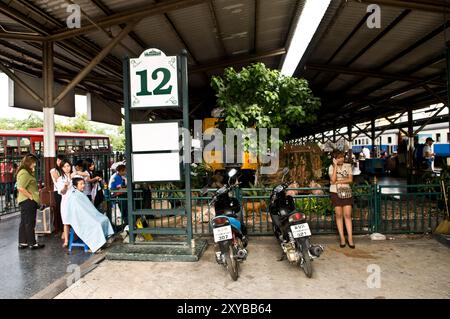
(23, 246)
(37, 246)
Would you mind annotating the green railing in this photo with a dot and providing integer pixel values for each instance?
(408, 209)
(376, 208)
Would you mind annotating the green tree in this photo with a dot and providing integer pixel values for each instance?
(263, 98)
(118, 140)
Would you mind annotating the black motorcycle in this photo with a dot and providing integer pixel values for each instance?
(291, 229)
(229, 231)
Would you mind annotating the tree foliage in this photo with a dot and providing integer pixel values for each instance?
(263, 98)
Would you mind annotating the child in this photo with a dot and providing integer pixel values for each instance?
(90, 225)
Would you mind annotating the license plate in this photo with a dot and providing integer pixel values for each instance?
(222, 233)
(300, 230)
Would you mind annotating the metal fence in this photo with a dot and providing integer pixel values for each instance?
(386, 209)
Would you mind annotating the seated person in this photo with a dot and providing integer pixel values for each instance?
(88, 223)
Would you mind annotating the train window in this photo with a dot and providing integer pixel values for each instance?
(24, 145)
(2, 148)
(94, 144)
(87, 145)
(389, 140)
(438, 137)
(11, 142)
(37, 148)
(79, 145)
(61, 145)
(106, 143)
(12, 147)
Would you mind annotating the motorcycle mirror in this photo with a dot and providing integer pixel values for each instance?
(232, 172)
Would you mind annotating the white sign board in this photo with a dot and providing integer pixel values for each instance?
(158, 167)
(153, 80)
(151, 137)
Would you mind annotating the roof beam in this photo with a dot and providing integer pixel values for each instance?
(106, 50)
(143, 11)
(21, 36)
(84, 54)
(384, 32)
(236, 60)
(367, 73)
(401, 54)
(435, 6)
(108, 12)
(212, 9)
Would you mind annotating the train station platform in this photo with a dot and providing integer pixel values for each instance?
(26, 272)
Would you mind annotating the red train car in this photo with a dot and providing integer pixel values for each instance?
(14, 143)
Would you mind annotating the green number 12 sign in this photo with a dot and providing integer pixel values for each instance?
(153, 80)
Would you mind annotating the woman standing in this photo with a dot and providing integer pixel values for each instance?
(55, 174)
(341, 178)
(28, 199)
(63, 184)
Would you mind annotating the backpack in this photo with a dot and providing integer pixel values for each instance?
(418, 156)
(418, 152)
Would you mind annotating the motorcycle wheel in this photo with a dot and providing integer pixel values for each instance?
(307, 264)
(232, 263)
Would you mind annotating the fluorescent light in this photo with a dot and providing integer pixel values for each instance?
(306, 27)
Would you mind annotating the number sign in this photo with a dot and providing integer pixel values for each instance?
(153, 80)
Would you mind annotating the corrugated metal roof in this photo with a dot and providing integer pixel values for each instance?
(341, 48)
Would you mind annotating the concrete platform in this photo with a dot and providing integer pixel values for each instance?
(26, 272)
(157, 252)
(409, 267)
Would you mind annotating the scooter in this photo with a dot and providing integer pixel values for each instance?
(291, 229)
(230, 234)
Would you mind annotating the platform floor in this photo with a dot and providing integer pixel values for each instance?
(25, 272)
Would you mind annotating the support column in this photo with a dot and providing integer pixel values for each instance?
(323, 138)
(410, 152)
(49, 112)
(372, 127)
(350, 133)
(448, 86)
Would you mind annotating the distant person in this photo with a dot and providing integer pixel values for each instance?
(366, 152)
(55, 173)
(28, 199)
(428, 154)
(63, 185)
(90, 181)
(97, 191)
(7, 180)
(117, 183)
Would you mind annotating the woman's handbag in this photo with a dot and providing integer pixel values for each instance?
(344, 191)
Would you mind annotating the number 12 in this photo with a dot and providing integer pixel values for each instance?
(159, 90)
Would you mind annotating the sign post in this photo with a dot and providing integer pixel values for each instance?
(156, 81)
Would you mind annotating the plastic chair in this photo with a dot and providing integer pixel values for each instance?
(76, 243)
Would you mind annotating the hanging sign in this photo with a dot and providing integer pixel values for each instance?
(153, 80)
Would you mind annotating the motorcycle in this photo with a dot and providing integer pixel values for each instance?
(230, 234)
(291, 229)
